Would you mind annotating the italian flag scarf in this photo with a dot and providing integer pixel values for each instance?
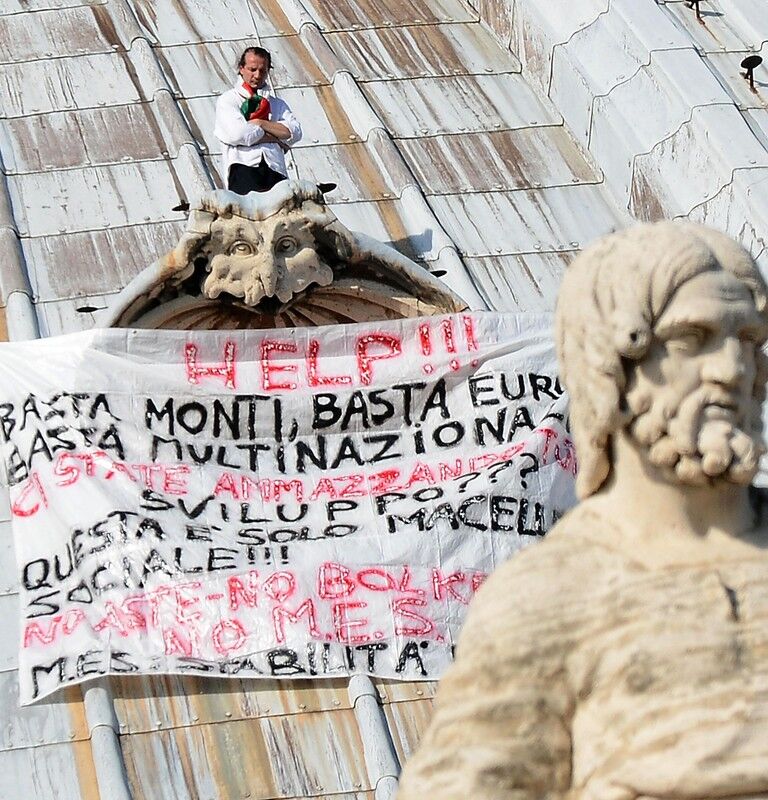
(255, 106)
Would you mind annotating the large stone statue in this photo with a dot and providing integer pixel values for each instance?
(626, 657)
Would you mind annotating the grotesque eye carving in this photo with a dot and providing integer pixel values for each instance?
(241, 248)
(286, 246)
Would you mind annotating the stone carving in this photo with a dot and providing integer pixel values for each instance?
(262, 252)
(265, 260)
(626, 656)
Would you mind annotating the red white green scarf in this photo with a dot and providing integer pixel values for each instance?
(255, 106)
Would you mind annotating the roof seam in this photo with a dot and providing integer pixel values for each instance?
(567, 41)
(643, 65)
(44, 10)
(21, 318)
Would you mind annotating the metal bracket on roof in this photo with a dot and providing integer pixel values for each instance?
(750, 63)
(695, 4)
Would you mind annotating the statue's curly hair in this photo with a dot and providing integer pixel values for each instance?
(611, 297)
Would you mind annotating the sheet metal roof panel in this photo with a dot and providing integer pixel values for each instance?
(96, 261)
(362, 171)
(727, 67)
(46, 203)
(581, 71)
(508, 223)
(520, 159)
(614, 142)
(569, 18)
(197, 70)
(213, 164)
(324, 120)
(748, 17)
(728, 25)
(697, 161)
(294, 63)
(24, 6)
(150, 703)
(498, 15)
(296, 756)
(422, 50)
(98, 136)
(424, 106)
(79, 82)
(49, 772)
(11, 278)
(63, 32)
(199, 114)
(525, 283)
(200, 20)
(334, 16)
(741, 209)
(392, 691)
(58, 720)
(757, 118)
(62, 316)
(407, 723)
(537, 28)
(401, 222)
(629, 31)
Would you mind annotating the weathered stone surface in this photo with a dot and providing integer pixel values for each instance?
(274, 260)
(626, 657)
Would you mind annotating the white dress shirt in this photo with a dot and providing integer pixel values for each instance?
(241, 140)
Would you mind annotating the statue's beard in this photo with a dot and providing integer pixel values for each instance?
(691, 443)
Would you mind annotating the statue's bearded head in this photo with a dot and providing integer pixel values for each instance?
(660, 332)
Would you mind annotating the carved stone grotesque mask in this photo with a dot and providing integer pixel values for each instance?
(275, 257)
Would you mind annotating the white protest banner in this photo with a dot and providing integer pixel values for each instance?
(287, 503)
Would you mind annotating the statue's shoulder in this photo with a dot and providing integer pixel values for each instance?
(568, 569)
(579, 543)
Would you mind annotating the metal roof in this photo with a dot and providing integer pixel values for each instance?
(490, 138)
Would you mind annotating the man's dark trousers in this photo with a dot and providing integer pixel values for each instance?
(243, 179)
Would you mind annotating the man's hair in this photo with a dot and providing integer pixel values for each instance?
(611, 297)
(256, 51)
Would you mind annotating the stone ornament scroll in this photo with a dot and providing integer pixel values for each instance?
(295, 503)
(626, 656)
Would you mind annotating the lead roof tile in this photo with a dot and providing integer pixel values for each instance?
(508, 223)
(484, 161)
(428, 106)
(335, 16)
(421, 50)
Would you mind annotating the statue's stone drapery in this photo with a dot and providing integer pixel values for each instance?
(626, 657)
(274, 260)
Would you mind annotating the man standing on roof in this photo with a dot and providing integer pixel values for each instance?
(255, 127)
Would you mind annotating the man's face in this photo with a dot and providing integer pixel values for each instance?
(692, 396)
(255, 70)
